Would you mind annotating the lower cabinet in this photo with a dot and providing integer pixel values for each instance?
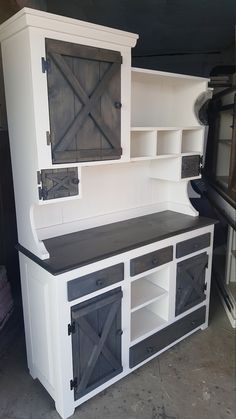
(96, 341)
(190, 282)
(166, 336)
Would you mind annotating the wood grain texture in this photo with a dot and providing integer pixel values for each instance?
(78, 249)
(95, 281)
(165, 337)
(96, 343)
(190, 283)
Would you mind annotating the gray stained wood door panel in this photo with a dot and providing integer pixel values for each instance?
(58, 183)
(166, 336)
(84, 93)
(96, 341)
(190, 282)
(190, 166)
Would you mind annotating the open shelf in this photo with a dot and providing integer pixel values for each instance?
(144, 292)
(192, 140)
(143, 322)
(149, 303)
(164, 99)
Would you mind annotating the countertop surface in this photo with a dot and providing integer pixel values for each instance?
(81, 248)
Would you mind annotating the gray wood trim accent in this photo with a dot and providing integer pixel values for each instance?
(190, 166)
(151, 260)
(82, 51)
(193, 245)
(74, 156)
(166, 336)
(81, 248)
(94, 281)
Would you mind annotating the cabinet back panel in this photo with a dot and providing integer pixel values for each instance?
(106, 190)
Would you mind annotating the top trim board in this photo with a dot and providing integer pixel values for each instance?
(183, 128)
(27, 17)
(167, 74)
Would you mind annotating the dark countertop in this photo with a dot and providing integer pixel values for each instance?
(74, 250)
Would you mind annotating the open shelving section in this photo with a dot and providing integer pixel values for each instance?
(149, 303)
(169, 129)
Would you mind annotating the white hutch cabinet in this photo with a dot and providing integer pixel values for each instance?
(115, 262)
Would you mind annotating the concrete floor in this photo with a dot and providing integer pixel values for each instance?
(194, 380)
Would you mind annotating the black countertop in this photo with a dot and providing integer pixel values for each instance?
(74, 250)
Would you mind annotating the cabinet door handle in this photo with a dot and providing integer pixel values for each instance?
(150, 350)
(99, 282)
(75, 181)
(118, 105)
(154, 260)
(119, 332)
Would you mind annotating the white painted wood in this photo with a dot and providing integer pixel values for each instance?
(169, 99)
(161, 170)
(143, 292)
(147, 179)
(145, 322)
(168, 142)
(192, 140)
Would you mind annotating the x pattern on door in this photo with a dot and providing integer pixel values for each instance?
(58, 183)
(65, 148)
(190, 283)
(98, 342)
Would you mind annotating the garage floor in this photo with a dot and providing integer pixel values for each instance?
(194, 380)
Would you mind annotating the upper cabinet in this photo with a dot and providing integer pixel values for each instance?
(84, 95)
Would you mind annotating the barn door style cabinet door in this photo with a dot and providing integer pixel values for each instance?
(96, 341)
(84, 94)
(115, 261)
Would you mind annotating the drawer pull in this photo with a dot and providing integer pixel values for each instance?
(99, 282)
(154, 260)
(150, 350)
(119, 332)
(193, 323)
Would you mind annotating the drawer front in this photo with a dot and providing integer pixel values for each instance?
(165, 337)
(190, 166)
(151, 260)
(193, 245)
(95, 281)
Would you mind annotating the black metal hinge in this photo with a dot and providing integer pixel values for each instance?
(45, 65)
(71, 328)
(73, 383)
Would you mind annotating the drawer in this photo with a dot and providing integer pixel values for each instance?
(190, 166)
(193, 245)
(95, 281)
(165, 337)
(151, 260)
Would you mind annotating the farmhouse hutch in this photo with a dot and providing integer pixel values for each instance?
(115, 262)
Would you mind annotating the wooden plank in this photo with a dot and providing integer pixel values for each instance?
(82, 51)
(166, 336)
(74, 250)
(94, 281)
(88, 108)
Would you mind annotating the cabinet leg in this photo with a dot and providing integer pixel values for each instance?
(64, 412)
(204, 326)
(32, 373)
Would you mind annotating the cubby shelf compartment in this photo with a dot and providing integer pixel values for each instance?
(145, 322)
(151, 143)
(192, 140)
(144, 292)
